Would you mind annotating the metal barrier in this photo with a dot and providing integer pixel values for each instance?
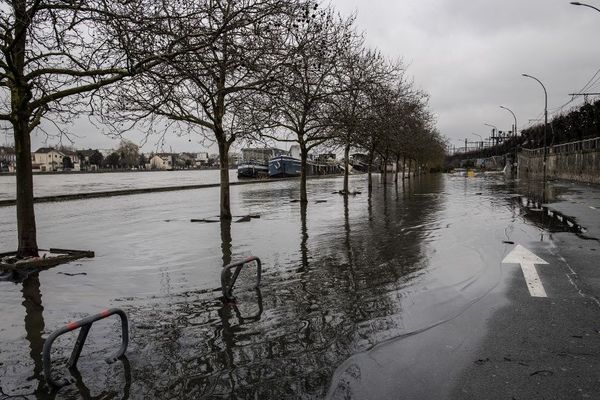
(592, 144)
(85, 325)
(228, 289)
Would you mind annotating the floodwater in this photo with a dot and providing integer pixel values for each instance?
(57, 184)
(340, 276)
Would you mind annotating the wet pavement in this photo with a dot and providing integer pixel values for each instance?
(401, 295)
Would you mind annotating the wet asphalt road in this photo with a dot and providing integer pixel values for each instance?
(400, 296)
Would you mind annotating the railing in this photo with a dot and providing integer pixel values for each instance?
(570, 147)
(85, 325)
(227, 287)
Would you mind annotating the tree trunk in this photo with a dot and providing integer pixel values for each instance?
(20, 95)
(370, 171)
(346, 167)
(384, 176)
(303, 173)
(409, 162)
(396, 168)
(403, 168)
(225, 211)
(26, 230)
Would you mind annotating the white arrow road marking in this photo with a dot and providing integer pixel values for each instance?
(520, 255)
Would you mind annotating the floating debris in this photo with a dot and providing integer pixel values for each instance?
(508, 242)
(320, 201)
(543, 372)
(72, 274)
(343, 193)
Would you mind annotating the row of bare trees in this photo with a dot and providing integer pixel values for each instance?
(229, 70)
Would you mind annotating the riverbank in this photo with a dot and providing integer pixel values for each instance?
(111, 171)
(129, 192)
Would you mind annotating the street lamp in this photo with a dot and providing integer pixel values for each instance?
(514, 116)
(576, 3)
(545, 122)
(481, 143)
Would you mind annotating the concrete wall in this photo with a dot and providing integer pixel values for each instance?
(581, 165)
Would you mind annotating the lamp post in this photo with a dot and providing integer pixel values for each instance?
(481, 143)
(576, 3)
(514, 116)
(545, 124)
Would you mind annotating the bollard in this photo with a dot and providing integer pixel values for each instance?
(228, 289)
(85, 326)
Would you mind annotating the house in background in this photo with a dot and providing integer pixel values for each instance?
(90, 160)
(8, 159)
(202, 159)
(162, 161)
(48, 159)
(70, 161)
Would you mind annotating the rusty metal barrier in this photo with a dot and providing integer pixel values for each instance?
(85, 325)
(228, 288)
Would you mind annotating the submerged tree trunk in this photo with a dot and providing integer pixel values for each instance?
(384, 174)
(370, 171)
(396, 168)
(303, 173)
(225, 208)
(346, 167)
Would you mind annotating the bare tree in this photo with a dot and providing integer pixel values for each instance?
(210, 91)
(360, 70)
(55, 52)
(307, 83)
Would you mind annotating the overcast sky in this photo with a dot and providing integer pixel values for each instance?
(469, 56)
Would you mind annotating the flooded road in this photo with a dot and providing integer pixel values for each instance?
(341, 278)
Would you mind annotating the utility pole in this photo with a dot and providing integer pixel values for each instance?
(585, 95)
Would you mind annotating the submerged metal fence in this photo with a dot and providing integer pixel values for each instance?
(85, 325)
(227, 287)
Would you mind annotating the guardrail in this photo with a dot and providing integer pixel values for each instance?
(570, 147)
(85, 325)
(228, 288)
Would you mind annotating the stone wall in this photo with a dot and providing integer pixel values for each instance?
(580, 165)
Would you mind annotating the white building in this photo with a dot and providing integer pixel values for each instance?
(47, 159)
(162, 161)
(201, 159)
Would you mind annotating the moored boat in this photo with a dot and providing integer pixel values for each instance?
(252, 169)
(284, 166)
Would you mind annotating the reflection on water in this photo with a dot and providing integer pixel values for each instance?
(34, 327)
(285, 340)
(341, 277)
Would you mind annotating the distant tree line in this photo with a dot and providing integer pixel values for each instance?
(229, 70)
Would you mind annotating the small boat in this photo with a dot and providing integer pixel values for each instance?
(284, 166)
(252, 169)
